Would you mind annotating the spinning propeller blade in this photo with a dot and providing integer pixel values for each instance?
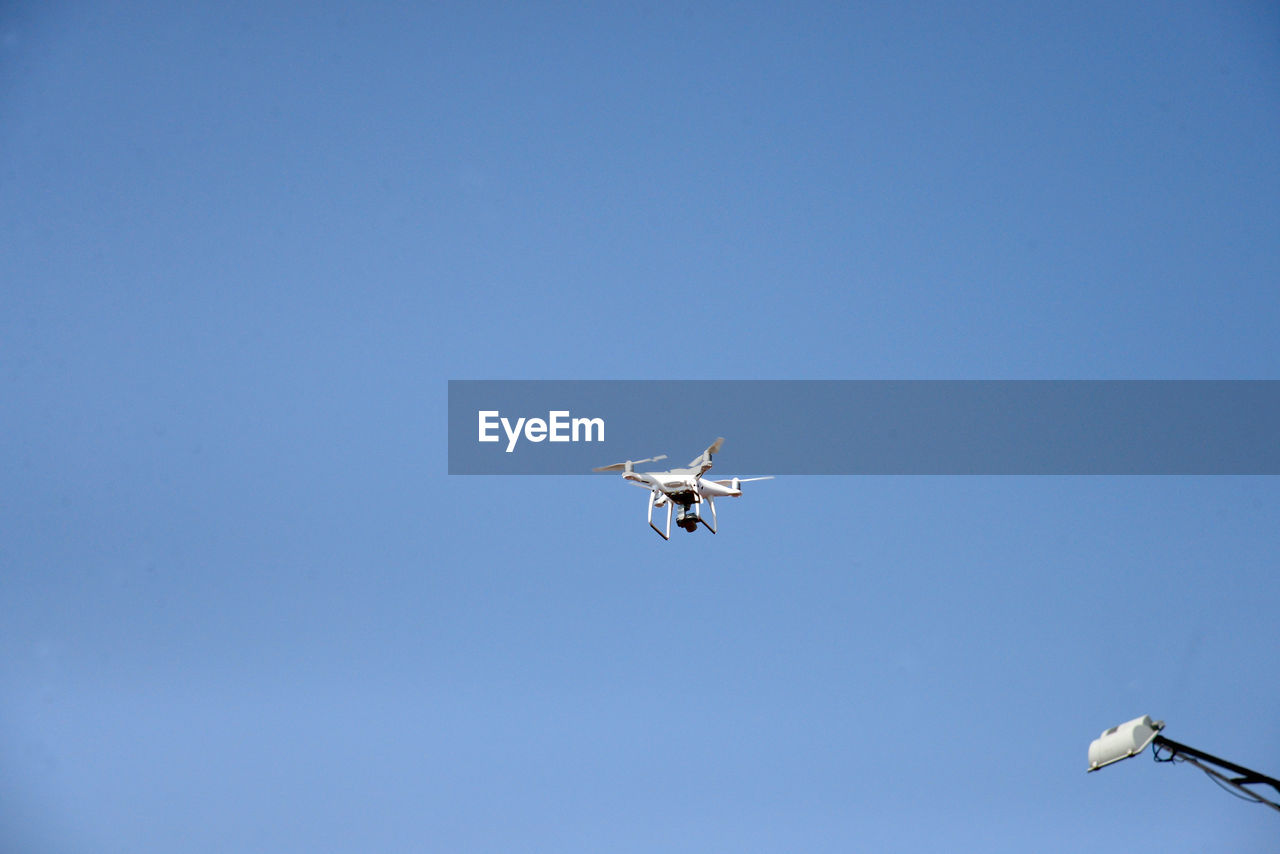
(629, 463)
(735, 482)
(714, 448)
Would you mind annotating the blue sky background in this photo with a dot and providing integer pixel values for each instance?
(246, 245)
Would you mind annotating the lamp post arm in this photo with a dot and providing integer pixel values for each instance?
(1246, 775)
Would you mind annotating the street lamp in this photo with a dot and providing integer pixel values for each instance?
(1132, 737)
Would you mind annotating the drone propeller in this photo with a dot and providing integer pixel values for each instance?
(629, 463)
(713, 448)
(736, 482)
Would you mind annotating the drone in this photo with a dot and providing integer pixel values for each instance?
(685, 487)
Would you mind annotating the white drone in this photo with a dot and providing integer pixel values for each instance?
(685, 487)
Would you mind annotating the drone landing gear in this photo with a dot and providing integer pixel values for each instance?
(653, 502)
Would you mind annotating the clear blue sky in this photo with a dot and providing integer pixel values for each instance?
(244, 246)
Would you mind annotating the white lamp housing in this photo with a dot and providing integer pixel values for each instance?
(1121, 742)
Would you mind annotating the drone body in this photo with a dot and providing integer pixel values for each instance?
(683, 487)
